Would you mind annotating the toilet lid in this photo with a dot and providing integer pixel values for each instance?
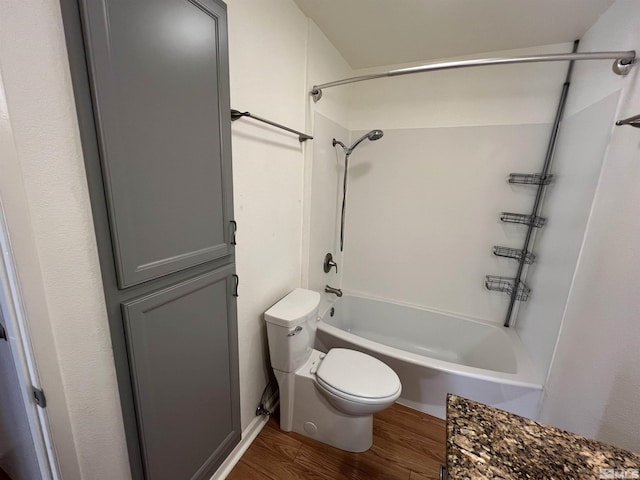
(357, 374)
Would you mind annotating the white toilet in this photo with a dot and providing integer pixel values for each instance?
(329, 397)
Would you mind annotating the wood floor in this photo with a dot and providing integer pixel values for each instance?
(407, 445)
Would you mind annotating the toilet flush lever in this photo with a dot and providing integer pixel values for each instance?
(296, 330)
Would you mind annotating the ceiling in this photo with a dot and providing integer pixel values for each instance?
(370, 33)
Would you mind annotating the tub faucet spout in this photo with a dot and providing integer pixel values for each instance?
(330, 289)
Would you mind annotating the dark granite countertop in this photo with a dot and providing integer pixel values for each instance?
(484, 442)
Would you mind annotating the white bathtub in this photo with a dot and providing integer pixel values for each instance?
(436, 353)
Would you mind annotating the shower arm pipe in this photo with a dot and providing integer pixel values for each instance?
(623, 62)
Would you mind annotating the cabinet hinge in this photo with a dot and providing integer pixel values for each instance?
(38, 396)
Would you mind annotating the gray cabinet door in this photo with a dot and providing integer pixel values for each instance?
(180, 343)
(159, 81)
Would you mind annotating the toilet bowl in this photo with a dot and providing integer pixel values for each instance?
(327, 396)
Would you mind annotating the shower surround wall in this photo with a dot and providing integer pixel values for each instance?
(326, 120)
(325, 207)
(423, 212)
(580, 151)
(424, 202)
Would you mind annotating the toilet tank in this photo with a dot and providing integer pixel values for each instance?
(291, 329)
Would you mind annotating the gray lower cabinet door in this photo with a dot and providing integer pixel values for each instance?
(182, 347)
(159, 81)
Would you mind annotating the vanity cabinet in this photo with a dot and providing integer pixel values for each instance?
(151, 85)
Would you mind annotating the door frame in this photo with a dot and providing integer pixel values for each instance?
(18, 336)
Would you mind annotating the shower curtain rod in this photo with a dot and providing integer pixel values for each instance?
(622, 65)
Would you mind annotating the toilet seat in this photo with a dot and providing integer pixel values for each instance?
(357, 377)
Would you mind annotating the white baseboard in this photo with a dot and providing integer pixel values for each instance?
(249, 434)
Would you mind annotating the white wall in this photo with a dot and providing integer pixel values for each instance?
(594, 381)
(267, 43)
(50, 226)
(20, 230)
(325, 64)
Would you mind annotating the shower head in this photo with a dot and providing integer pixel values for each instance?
(373, 135)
